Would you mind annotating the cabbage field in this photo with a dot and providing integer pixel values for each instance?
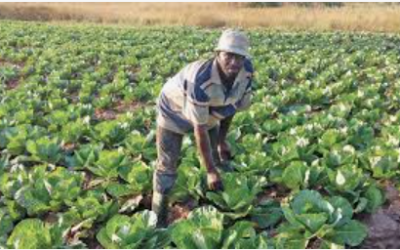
(77, 139)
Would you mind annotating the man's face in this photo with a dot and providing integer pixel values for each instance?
(230, 63)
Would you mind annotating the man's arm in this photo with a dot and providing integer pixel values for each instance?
(223, 146)
(204, 148)
(224, 128)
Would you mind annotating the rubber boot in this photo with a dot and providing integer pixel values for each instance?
(160, 208)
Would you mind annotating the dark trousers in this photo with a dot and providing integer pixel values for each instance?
(169, 146)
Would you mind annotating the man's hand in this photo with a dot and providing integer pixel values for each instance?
(224, 151)
(203, 144)
(214, 181)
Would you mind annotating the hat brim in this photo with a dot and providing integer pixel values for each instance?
(234, 51)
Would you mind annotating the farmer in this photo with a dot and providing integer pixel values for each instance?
(203, 97)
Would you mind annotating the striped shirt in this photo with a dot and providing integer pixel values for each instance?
(197, 96)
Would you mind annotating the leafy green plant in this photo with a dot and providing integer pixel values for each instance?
(109, 132)
(190, 181)
(108, 164)
(6, 223)
(72, 132)
(84, 157)
(340, 155)
(63, 186)
(203, 229)
(12, 181)
(267, 213)
(369, 199)
(94, 206)
(382, 162)
(310, 216)
(44, 150)
(138, 175)
(48, 191)
(296, 175)
(255, 163)
(291, 149)
(13, 209)
(242, 235)
(30, 234)
(238, 195)
(139, 145)
(347, 178)
(138, 231)
(14, 139)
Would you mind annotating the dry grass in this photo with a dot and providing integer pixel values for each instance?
(352, 17)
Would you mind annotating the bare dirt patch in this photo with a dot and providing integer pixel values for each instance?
(105, 115)
(180, 211)
(119, 108)
(122, 107)
(69, 147)
(384, 225)
(12, 84)
(277, 193)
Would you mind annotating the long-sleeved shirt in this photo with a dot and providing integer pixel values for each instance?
(197, 96)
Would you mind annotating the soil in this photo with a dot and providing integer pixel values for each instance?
(277, 193)
(384, 225)
(315, 244)
(4, 62)
(180, 211)
(146, 201)
(123, 107)
(69, 147)
(88, 179)
(12, 84)
(120, 108)
(51, 218)
(93, 244)
(106, 115)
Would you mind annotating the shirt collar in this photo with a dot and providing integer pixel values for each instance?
(215, 77)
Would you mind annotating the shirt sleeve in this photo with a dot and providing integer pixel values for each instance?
(245, 102)
(196, 108)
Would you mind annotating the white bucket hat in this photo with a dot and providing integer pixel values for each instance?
(234, 41)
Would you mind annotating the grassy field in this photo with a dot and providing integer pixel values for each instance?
(350, 17)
